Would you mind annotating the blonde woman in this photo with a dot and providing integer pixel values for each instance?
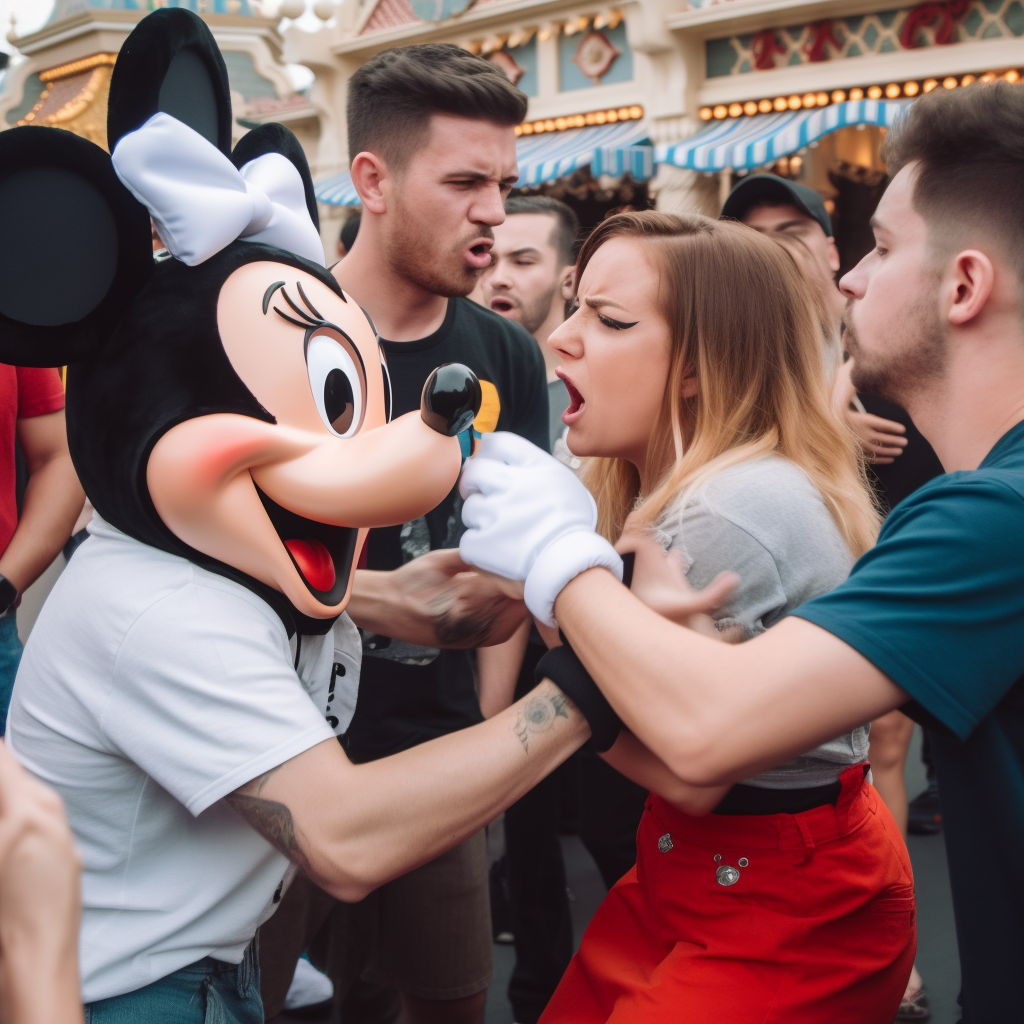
(694, 367)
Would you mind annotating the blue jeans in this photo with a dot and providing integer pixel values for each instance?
(206, 992)
(10, 656)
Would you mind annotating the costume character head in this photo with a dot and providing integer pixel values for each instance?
(226, 402)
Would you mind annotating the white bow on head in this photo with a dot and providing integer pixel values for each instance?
(201, 203)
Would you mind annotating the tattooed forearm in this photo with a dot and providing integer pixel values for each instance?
(539, 714)
(272, 820)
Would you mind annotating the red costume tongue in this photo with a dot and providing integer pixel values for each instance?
(313, 561)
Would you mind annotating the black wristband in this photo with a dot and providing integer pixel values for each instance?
(563, 667)
(8, 595)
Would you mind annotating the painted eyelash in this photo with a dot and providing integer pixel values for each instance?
(309, 319)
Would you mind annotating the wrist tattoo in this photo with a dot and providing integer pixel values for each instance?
(539, 715)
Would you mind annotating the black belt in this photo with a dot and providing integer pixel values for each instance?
(744, 799)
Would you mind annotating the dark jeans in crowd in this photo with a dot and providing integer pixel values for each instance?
(610, 808)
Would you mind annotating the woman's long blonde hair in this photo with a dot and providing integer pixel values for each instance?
(745, 325)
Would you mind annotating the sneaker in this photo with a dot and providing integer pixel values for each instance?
(914, 1007)
(310, 989)
(925, 813)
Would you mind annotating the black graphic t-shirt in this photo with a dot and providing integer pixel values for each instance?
(410, 694)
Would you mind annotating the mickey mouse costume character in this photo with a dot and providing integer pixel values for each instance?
(227, 406)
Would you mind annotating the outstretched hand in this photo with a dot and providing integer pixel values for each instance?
(437, 600)
(529, 518)
(40, 902)
(660, 582)
(882, 440)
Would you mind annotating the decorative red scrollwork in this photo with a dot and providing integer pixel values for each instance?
(820, 36)
(764, 48)
(944, 15)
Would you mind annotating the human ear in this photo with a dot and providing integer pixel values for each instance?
(971, 283)
(688, 388)
(833, 255)
(368, 171)
(567, 285)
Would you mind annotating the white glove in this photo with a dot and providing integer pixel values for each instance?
(529, 518)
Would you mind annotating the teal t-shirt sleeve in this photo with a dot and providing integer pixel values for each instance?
(938, 603)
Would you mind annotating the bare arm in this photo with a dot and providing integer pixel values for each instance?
(354, 827)
(40, 897)
(53, 500)
(630, 757)
(717, 713)
(499, 667)
(438, 601)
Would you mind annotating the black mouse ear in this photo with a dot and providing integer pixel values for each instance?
(275, 138)
(77, 247)
(171, 63)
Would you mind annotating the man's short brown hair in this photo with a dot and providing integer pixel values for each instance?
(392, 96)
(969, 145)
(566, 226)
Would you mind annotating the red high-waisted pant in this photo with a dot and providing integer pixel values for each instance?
(818, 927)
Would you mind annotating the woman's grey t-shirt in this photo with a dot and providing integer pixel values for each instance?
(767, 522)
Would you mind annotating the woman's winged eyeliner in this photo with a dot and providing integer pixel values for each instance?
(617, 325)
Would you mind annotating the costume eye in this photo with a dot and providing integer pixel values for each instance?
(338, 380)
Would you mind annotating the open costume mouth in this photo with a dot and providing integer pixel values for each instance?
(321, 553)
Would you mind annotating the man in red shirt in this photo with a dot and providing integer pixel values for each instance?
(31, 411)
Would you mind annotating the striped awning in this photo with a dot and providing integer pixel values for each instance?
(337, 190)
(614, 149)
(749, 142)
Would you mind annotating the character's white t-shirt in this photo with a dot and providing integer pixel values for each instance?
(149, 689)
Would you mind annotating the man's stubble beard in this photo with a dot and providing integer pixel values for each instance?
(915, 359)
(534, 315)
(411, 255)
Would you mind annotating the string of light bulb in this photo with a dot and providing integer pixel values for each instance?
(593, 117)
(822, 98)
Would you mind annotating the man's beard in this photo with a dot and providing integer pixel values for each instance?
(532, 316)
(915, 358)
(411, 252)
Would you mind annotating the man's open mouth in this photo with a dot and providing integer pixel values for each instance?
(479, 256)
(502, 305)
(321, 553)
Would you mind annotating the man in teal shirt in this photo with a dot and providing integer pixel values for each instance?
(932, 618)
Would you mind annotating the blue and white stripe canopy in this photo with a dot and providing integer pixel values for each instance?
(337, 190)
(748, 142)
(614, 149)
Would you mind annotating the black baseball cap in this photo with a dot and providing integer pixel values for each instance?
(769, 188)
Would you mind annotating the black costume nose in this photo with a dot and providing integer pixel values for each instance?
(451, 399)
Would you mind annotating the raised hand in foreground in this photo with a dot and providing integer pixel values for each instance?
(40, 903)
